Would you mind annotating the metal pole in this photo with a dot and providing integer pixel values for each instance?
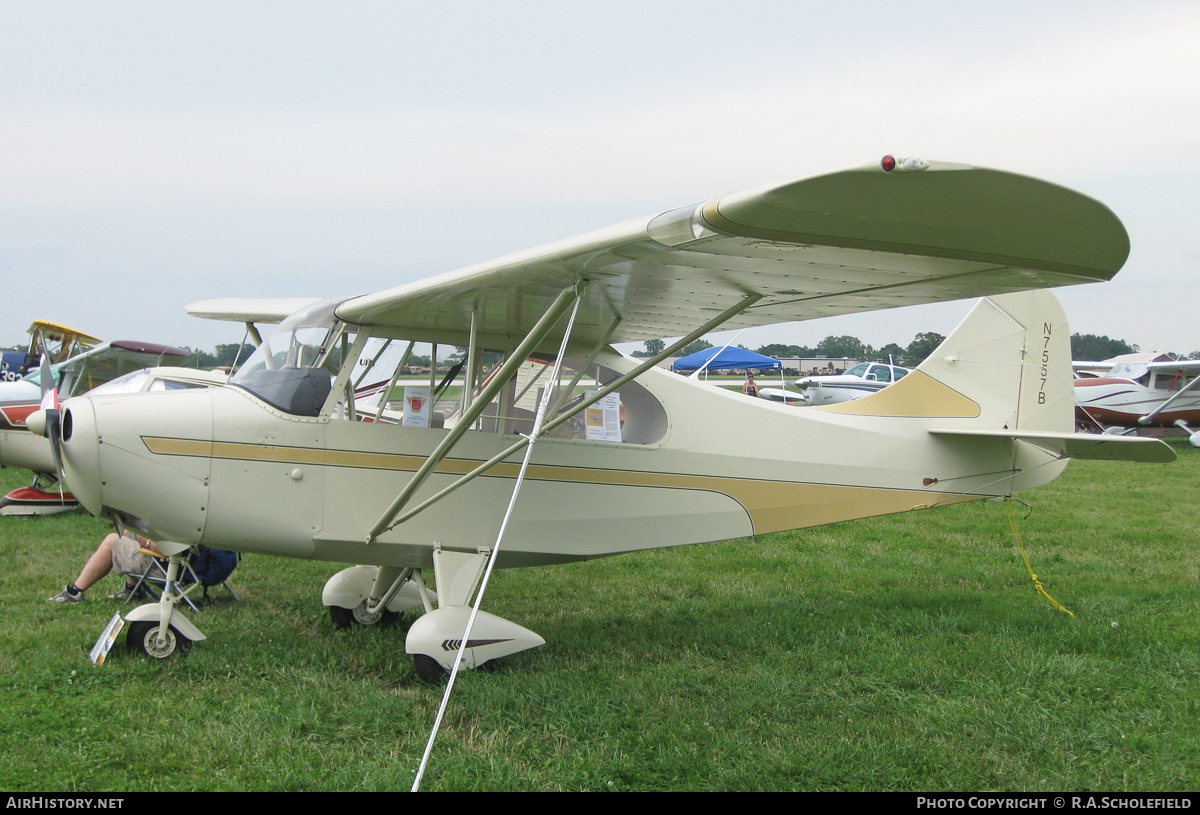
(383, 398)
(469, 379)
(487, 574)
(650, 363)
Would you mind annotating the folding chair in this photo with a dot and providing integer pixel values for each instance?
(154, 579)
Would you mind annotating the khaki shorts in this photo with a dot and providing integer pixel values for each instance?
(126, 559)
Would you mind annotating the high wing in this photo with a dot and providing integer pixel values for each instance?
(852, 241)
(107, 361)
(58, 333)
(248, 309)
(1185, 366)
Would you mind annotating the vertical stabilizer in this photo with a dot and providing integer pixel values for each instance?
(1007, 366)
(1011, 356)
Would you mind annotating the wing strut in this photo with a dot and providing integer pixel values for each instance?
(470, 414)
(586, 403)
(1149, 417)
(547, 395)
(383, 397)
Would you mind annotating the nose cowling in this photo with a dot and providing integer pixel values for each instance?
(81, 454)
(144, 456)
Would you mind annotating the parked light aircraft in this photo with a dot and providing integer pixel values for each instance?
(279, 460)
(57, 343)
(1141, 390)
(77, 363)
(864, 378)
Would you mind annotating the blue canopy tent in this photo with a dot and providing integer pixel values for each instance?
(724, 359)
(728, 358)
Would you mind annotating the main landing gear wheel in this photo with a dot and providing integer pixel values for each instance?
(429, 669)
(143, 639)
(348, 617)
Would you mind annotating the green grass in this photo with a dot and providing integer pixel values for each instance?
(900, 653)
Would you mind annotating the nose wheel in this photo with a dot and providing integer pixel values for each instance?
(143, 638)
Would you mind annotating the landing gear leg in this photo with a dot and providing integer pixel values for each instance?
(370, 595)
(157, 629)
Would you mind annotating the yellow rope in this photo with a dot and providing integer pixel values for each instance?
(1012, 521)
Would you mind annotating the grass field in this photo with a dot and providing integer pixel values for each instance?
(902, 653)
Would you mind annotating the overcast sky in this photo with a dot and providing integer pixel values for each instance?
(152, 154)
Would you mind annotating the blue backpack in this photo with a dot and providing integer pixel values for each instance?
(213, 566)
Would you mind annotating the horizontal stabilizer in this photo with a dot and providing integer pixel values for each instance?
(1097, 447)
(249, 309)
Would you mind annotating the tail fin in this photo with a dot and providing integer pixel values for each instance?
(1005, 372)
(1011, 356)
(1006, 366)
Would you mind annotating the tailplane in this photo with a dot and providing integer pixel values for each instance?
(1012, 357)
(1005, 371)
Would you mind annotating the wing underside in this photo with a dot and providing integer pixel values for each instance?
(853, 241)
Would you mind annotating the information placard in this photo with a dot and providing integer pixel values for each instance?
(101, 648)
(603, 419)
(417, 407)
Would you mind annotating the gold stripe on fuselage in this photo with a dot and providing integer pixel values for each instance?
(773, 506)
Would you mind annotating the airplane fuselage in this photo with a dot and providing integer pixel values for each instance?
(1115, 401)
(698, 464)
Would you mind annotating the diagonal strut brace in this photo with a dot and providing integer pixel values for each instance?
(586, 403)
(470, 414)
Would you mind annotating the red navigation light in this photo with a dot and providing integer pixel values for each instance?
(888, 164)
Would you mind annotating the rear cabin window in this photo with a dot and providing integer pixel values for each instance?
(421, 398)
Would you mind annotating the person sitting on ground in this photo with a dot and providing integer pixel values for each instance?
(750, 388)
(117, 553)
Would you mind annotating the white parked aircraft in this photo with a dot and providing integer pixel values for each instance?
(623, 456)
(77, 363)
(1141, 390)
(858, 381)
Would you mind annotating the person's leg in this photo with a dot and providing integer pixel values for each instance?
(98, 565)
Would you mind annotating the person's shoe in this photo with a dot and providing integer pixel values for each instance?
(66, 596)
(127, 591)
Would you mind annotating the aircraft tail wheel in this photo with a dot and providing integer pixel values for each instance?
(429, 669)
(349, 617)
(143, 639)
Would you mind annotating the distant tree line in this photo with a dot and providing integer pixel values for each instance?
(1083, 347)
(832, 347)
(222, 357)
(1095, 348)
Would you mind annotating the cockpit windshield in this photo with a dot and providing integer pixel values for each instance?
(293, 368)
